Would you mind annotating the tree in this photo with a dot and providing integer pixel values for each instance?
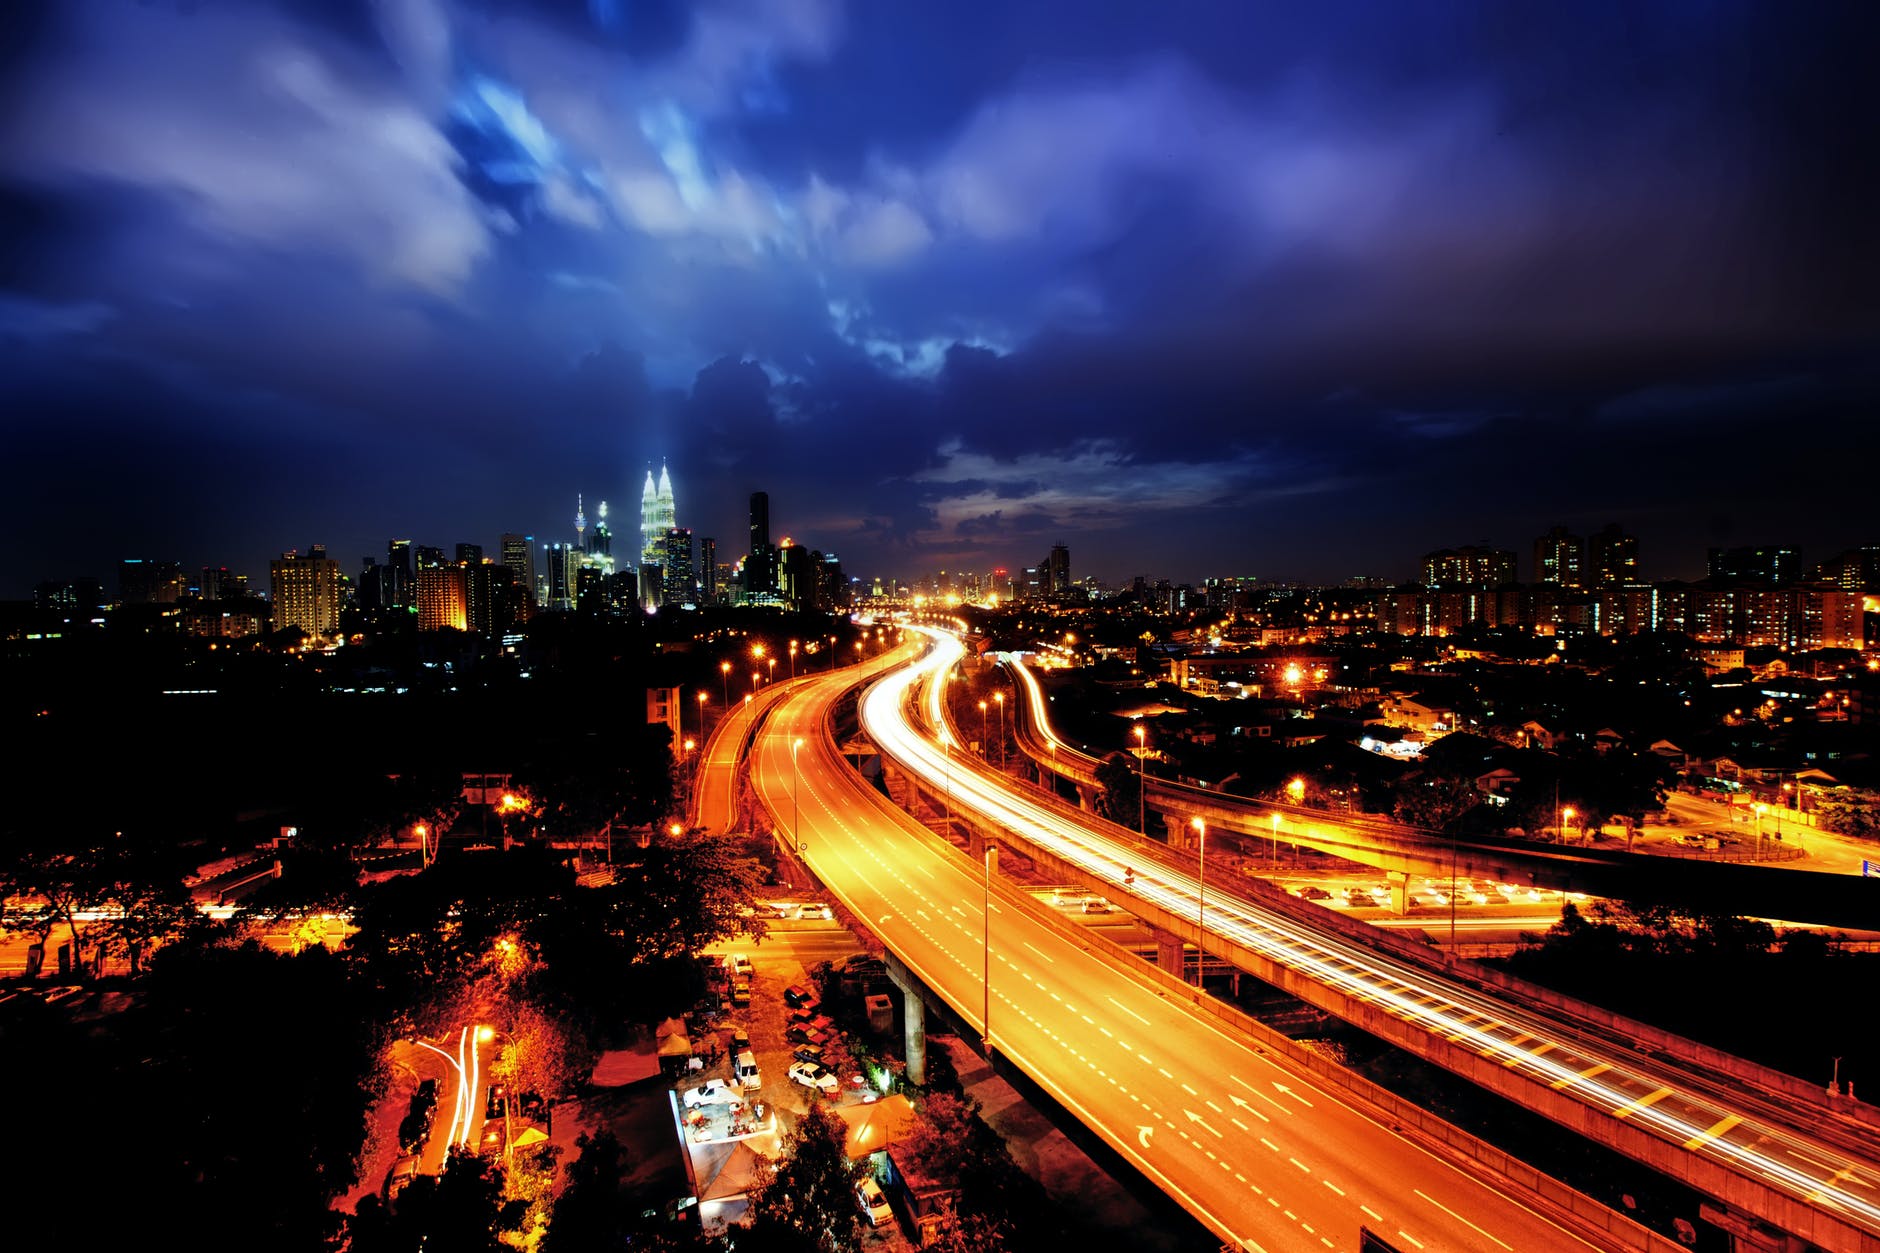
(593, 1212)
(809, 1192)
(1437, 803)
(114, 893)
(1119, 791)
(462, 1210)
(586, 785)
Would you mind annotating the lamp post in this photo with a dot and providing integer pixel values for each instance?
(1275, 862)
(773, 670)
(985, 749)
(793, 659)
(999, 698)
(1142, 781)
(832, 654)
(1566, 816)
(795, 780)
(1201, 897)
(701, 716)
(724, 672)
(1759, 807)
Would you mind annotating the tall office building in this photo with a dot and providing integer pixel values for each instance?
(603, 542)
(679, 583)
(444, 598)
(708, 570)
(1611, 557)
(796, 575)
(429, 556)
(657, 514)
(145, 582)
(760, 569)
(1559, 558)
(519, 556)
(305, 591)
(562, 561)
(469, 554)
(398, 560)
(1054, 572)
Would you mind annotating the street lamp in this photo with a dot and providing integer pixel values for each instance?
(773, 670)
(724, 671)
(1142, 781)
(1566, 816)
(795, 833)
(1000, 698)
(701, 716)
(1201, 897)
(754, 677)
(1760, 808)
(832, 654)
(793, 659)
(985, 749)
(424, 846)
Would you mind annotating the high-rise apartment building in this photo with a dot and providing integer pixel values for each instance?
(1611, 557)
(305, 591)
(1559, 558)
(1456, 568)
(562, 560)
(469, 554)
(1771, 566)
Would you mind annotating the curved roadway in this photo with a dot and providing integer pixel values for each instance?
(1261, 1156)
(1844, 1188)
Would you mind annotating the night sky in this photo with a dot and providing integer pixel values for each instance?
(1287, 290)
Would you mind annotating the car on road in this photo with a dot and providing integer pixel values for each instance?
(1098, 906)
(741, 965)
(498, 1102)
(740, 1041)
(492, 1144)
(711, 1092)
(1311, 892)
(813, 1075)
(818, 911)
(801, 1034)
(741, 995)
(403, 1171)
(812, 1016)
(872, 1203)
(808, 1053)
(796, 994)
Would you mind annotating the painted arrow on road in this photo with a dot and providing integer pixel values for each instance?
(1142, 1135)
(1247, 1105)
(1194, 1117)
(1283, 1090)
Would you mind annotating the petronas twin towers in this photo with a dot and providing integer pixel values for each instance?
(657, 516)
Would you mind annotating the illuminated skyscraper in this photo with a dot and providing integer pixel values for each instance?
(680, 586)
(444, 598)
(657, 514)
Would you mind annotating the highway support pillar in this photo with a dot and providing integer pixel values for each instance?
(913, 1019)
(1180, 834)
(1399, 892)
(1086, 799)
(1170, 954)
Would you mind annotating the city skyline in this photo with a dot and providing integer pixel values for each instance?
(1301, 296)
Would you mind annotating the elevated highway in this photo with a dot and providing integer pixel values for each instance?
(1261, 1152)
(1770, 1153)
(1836, 900)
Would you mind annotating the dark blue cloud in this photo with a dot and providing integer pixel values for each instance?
(1299, 290)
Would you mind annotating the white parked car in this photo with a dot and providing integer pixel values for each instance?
(811, 1075)
(711, 1092)
(872, 1203)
